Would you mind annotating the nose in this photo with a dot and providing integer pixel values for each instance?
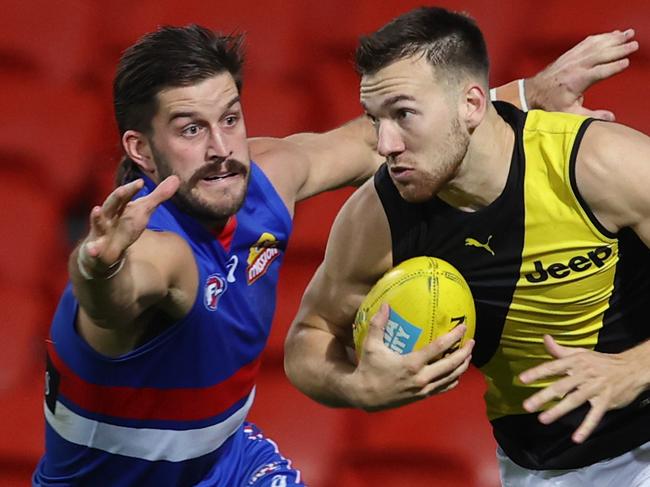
(218, 146)
(389, 140)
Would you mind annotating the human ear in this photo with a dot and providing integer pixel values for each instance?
(473, 106)
(138, 149)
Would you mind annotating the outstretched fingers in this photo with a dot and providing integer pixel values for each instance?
(118, 199)
(161, 193)
(588, 425)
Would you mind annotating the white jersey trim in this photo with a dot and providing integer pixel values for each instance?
(145, 443)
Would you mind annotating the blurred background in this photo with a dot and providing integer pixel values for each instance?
(59, 148)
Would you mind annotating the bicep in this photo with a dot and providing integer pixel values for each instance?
(358, 252)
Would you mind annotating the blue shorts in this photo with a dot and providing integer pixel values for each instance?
(255, 461)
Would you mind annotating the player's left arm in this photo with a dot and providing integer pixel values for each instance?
(306, 164)
(613, 176)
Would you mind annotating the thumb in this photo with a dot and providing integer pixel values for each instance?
(557, 350)
(378, 323)
(163, 191)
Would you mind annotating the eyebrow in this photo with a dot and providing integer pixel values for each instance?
(174, 115)
(394, 99)
(391, 101)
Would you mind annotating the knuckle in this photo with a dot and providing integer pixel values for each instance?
(420, 382)
(412, 368)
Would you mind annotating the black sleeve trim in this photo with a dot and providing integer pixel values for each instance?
(574, 185)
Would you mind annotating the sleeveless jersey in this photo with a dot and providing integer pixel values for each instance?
(166, 413)
(538, 262)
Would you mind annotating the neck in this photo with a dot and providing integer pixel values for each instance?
(483, 173)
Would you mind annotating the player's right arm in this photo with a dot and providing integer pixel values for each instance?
(120, 271)
(317, 350)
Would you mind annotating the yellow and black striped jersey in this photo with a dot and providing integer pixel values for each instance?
(538, 262)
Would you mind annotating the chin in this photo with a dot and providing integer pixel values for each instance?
(419, 193)
(211, 208)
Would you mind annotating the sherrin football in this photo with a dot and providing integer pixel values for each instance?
(427, 296)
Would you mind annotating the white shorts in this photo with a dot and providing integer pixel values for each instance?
(632, 469)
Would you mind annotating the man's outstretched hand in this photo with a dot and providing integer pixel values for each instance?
(561, 86)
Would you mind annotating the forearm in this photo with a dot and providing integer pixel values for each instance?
(106, 295)
(345, 156)
(317, 363)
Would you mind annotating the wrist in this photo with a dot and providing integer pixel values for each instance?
(523, 103)
(92, 268)
(515, 92)
(639, 357)
(532, 93)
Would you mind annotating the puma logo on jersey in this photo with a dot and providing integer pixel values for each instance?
(579, 263)
(472, 242)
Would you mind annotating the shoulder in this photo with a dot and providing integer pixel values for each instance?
(360, 241)
(283, 163)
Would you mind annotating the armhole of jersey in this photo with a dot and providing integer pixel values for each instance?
(259, 178)
(388, 195)
(590, 217)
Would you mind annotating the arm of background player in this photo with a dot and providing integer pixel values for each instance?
(306, 164)
(120, 269)
(619, 199)
(316, 354)
(560, 87)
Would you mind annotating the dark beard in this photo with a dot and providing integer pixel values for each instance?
(454, 151)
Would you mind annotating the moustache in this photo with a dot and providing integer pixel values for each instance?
(224, 166)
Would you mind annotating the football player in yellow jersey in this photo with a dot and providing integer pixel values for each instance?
(560, 292)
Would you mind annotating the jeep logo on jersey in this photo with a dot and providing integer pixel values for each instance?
(579, 263)
(215, 286)
(260, 257)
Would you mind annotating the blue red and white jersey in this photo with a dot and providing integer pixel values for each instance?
(166, 413)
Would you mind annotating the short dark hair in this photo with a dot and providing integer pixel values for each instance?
(168, 57)
(449, 40)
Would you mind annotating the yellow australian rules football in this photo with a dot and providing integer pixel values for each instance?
(427, 296)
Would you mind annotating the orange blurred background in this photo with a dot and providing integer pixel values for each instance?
(59, 148)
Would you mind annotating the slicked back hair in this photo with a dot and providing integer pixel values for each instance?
(166, 58)
(450, 41)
